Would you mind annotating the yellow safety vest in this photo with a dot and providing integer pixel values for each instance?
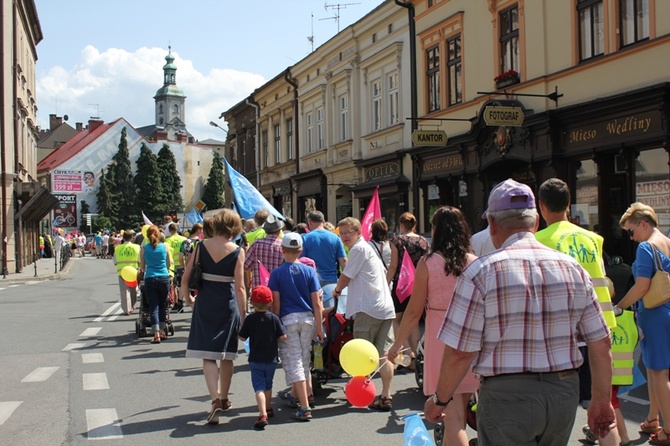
(624, 339)
(127, 254)
(174, 242)
(586, 247)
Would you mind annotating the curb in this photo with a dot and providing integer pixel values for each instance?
(55, 276)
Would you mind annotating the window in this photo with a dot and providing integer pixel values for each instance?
(390, 28)
(509, 39)
(344, 114)
(433, 74)
(454, 68)
(634, 21)
(652, 183)
(289, 138)
(591, 32)
(376, 105)
(277, 131)
(264, 137)
(393, 98)
(310, 143)
(160, 109)
(319, 129)
(175, 108)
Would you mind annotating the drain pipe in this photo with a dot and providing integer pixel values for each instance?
(257, 140)
(412, 61)
(296, 134)
(3, 148)
(19, 234)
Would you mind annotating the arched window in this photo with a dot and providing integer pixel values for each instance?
(160, 109)
(176, 108)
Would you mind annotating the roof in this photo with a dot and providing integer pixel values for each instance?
(71, 148)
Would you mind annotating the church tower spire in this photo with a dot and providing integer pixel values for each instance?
(170, 101)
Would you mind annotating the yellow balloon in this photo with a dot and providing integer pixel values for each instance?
(144, 230)
(359, 357)
(129, 273)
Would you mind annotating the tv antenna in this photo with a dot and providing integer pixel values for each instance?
(97, 111)
(310, 38)
(336, 8)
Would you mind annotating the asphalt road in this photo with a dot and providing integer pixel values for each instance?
(73, 370)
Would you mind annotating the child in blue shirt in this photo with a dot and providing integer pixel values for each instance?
(295, 291)
(263, 329)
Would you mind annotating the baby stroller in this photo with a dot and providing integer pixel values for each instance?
(338, 330)
(143, 321)
(471, 417)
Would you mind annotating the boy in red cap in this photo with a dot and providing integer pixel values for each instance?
(264, 329)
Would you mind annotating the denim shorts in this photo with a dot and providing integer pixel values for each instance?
(262, 374)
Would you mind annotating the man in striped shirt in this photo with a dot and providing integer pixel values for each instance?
(515, 317)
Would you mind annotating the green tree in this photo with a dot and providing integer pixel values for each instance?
(212, 194)
(167, 168)
(107, 205)
(101, 222)
(83, 210)
(123, 188)
(150, 195)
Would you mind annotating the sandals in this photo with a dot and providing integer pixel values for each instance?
(261, 422)
(652, 426)
(214, 412)
(655, 440)
(384, 404)
(291, 401)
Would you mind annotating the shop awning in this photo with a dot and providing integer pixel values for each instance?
(38, 206)
(400, 180)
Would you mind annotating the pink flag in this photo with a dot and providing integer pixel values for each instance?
(372, 213)
(406, 278)
(263, 274)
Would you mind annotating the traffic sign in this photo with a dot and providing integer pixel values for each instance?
(200, 205)
(503, 116)
(429, 138)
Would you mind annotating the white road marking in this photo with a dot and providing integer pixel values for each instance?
(32, 282)
(92, 358)
(103, 424)
(107, 312)
(39, 374)
(632, 399)
(91, 331)
(118, 313)
(95, 381)
(74, 346)
(7, 408)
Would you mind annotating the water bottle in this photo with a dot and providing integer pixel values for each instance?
(403, 360)
(317, 348)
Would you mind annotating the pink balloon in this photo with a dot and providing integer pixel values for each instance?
(360, 391)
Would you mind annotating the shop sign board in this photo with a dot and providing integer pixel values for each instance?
(503, 116)
(436, 138)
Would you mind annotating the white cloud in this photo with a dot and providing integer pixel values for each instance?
(117, 83)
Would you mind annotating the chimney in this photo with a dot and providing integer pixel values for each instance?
(161, 135)
(80, 126)
(94, 124)
(182, 137)
(54, 121)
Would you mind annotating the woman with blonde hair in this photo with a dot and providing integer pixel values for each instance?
(641, 223)
(155, 262)
(220, 307)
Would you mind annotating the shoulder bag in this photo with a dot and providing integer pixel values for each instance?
(195, 280)
(659, 288)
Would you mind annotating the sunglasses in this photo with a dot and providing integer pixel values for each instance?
(631, 231)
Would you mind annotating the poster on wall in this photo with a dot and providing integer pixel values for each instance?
(65, 212)
(72, 181)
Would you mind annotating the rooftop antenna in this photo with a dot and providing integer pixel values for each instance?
(311, 36)
(337, 8)
(97, 111)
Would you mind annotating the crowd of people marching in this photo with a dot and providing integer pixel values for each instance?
(511, 313)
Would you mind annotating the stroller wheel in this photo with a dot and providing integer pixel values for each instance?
(171, 330)
(418, 370)
(472, 442)
(137, 327)
(438, 432)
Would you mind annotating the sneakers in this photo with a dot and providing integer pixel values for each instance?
(302, 414)
(261, 422)
(588, 434)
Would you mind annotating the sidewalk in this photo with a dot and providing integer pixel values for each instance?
(45, 271)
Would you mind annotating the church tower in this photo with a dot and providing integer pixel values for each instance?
(170, 101)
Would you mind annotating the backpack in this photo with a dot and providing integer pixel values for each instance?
(339, 331)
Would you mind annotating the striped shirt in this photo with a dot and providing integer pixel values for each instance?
(268, 251)
(523, 308)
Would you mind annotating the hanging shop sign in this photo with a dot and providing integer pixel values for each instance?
(436, 138)
(503, 116)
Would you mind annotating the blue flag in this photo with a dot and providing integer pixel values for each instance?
(247, 198)
(193, 217)
(415, 433)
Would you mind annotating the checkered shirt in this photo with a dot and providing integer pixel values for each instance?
(522, 309)
(268, 251)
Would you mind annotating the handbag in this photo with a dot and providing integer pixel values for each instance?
(195, 280)
(659, 288)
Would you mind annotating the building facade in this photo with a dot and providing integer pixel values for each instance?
(24, 202)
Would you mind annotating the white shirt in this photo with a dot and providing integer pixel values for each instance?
(481, 243)
(368, 291)
(105, 240)
(58, 243)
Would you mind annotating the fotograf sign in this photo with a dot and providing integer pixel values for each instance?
(429, 138)
(503, 116)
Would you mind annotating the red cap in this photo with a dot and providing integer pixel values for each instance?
(261, 295)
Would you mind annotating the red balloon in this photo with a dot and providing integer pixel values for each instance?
(132, 284)
(360, 391)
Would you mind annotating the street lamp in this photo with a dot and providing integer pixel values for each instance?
(214, 124)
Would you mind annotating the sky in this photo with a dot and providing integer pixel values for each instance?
(105, 58)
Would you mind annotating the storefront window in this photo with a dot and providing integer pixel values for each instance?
(584, 211)
(652, 186)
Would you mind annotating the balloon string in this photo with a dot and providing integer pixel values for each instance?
(385, 361)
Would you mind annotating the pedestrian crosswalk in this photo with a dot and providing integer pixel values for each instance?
(40, 374)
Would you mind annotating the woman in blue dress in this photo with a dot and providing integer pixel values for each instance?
(218, 309)
(641, 223)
